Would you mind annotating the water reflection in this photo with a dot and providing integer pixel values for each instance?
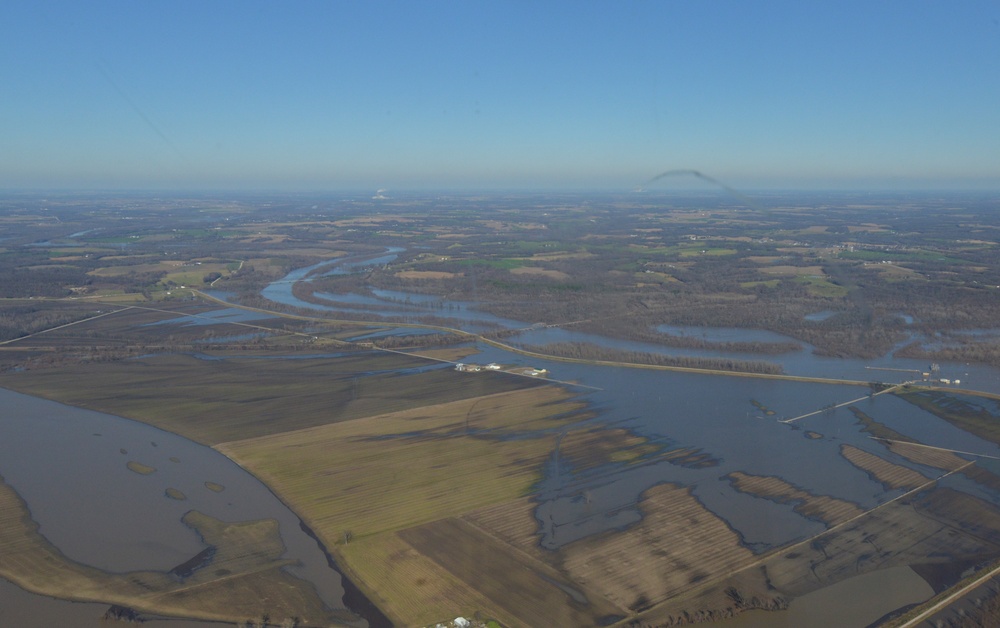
(466, 316)
(70, 466)
(733, 420)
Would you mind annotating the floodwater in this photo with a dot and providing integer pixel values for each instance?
(24, 610)
(732, 422)
(465, 315)
(69, 466)
(858, 601)
(389, 303)
(717, 415)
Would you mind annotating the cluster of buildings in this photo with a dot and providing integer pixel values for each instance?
(493, 366)
(475, 368)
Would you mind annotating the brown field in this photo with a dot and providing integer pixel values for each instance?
(514, 523)
(528, 593)
(925, 528)
(891, 475)
(895, 271)
(677, 544)
(962, 511)
(426, 274)
(214, 401)
(793, 270)
(427, 468)
(161, 266)
(829, 510)
(936, 458)
(424, 463)
(535, 271)
(411, 589)
(561, 256)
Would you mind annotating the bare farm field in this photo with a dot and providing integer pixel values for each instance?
(429, 464)
(231, 397)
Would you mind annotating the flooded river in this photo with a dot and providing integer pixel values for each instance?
(734, 424)
(733, 420)
(69, 465)
(466, 316)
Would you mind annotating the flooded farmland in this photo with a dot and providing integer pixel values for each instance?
(762, 465)
(721, 427)
(98, 486)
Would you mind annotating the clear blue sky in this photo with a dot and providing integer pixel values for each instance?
(563, 95)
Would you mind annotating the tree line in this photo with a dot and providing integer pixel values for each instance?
(586, 351)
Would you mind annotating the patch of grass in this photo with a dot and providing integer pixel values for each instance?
(964, 414)
(822, 287)
(140, 468)
(393, 471)
(503, 264)
(369, 478)
(411, 589)
(527, 591)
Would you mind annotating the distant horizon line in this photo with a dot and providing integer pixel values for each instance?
(386, 194)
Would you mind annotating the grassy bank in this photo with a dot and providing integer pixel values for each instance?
(243, 579)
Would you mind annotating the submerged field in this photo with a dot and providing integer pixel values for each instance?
(423, 481)
(444, 493)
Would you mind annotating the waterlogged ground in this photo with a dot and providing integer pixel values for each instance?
(712, 441)
(733, 421)
(110, 493)
(702, 431)
(464, 315)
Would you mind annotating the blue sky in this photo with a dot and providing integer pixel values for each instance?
(476, 95)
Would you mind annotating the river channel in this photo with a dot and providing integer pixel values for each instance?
(732, 422)
(413, 307)
(720, 416)
(69, 467)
